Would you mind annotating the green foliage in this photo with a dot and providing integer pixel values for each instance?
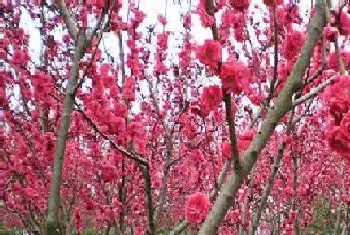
(90, 231)
(323, 220)
(53, 228)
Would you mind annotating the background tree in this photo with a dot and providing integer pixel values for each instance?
(120, 126)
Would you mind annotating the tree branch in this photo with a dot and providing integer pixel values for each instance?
(314, 92)
(149, 204)
(54, 196)
(282, 105)
(267, 189)
(70, 22)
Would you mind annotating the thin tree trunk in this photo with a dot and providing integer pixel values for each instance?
(149, 204)
(241, 229)
(53, 226)
(267, 189)
(295, 185)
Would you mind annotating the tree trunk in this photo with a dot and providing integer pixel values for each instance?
(267, 189)
(283, 104)
(53, 226)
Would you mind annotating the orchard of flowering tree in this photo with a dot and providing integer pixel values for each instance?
(236, 121)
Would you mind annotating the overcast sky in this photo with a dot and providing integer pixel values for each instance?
(152, 8)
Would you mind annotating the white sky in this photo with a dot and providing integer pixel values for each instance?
(152, 9)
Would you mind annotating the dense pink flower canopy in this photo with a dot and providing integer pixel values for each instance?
(153, 125)
(338, 98)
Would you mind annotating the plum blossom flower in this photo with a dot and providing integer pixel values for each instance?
(244, 140)
(240, 5)
(211, 98)
(293, 43)
(197, 155)
(206, 19)
(226, 149)
(339, 142)
(344, 23)
(197, 207)
(18, 57)
(333, 60)
(337, 97)
(210, 53)
(273, 2)
(331, 33)
(232, 76)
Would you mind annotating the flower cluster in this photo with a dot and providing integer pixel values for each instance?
(240, 5)
(197, 207)
(293, 43)
(338, 100)
(211, 99)
(210, 53)
(273, 2)
(344, 23)
(333, 62)
(233, 74)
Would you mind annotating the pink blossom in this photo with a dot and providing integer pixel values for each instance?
(339, 142)
(206, 19)
(344, 23)
(209, 53)
(233, 75)
(226, 149)
(337, 96)
(273, 2)
(293, 44)
(331, 33)
(197, 207)
(240, 5)
(211, 98)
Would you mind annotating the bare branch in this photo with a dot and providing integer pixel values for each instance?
(221, 179)
(149, 204)
(68, 20)
(314, 92)
(307, 108)
(267, 189)
(130, 155)
(178, 229)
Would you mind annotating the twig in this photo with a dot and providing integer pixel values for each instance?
(68, 20)
(314, 92)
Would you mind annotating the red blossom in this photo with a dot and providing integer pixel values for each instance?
(197, 207)
(339, 142)
(206, 19)
(18, 57)
(129, 89)
(211, 98)
(344, 23)
(244, 140)
(210, 53)
(331, 33)
(197, 156)
(240, 5)
(273, 2)
(333, 59)
(292, 45)
(337, 96)
(226, 149)
(233, 75)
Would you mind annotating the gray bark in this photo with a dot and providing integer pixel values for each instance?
(54, 196)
